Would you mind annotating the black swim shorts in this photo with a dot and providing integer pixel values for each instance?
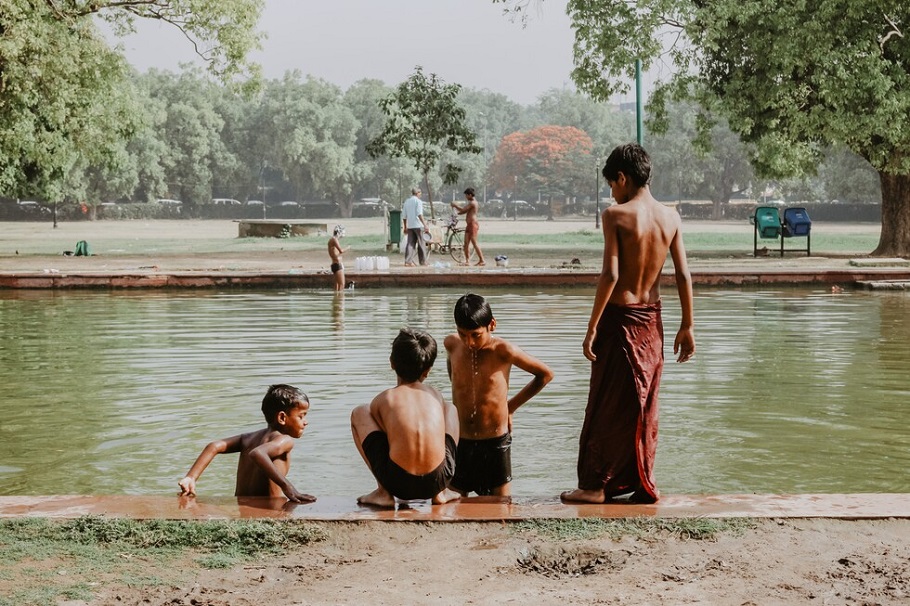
(336, 267)
(482, 465)
(399, 482)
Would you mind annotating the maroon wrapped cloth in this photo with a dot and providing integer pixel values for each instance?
(619, 437)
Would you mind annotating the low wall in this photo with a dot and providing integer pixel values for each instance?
(277, 228)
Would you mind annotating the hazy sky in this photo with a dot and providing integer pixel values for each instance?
(469, 42)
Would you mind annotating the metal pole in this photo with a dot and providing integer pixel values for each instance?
(639, 123)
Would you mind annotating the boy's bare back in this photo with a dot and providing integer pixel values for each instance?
(638, 234)
(412, 415)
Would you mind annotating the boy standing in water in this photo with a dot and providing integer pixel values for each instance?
(408, 434)
(625, 336)
(479, 365)
(335, 252)
(265, 455)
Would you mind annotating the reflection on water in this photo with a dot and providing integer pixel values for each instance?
(791, 390)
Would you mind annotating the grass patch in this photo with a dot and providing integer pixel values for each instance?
(47, 560)
(698, 529)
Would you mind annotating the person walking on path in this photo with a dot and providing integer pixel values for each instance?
(415, 226)
(625, 336)
(472, 226)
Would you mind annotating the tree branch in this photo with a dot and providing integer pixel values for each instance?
(895, 31)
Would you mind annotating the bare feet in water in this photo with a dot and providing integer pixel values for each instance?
(583, 496)
(378, 498)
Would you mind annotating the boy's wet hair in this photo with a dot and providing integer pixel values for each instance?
(413, 353)
(472, 311)
(631, 160)
(338, 231)
(280, 398)
(469, 191)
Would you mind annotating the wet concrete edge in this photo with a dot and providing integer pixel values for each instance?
(477, 509)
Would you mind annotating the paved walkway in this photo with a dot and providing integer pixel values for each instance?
(475, 509)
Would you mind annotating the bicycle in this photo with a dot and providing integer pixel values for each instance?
(452, 242)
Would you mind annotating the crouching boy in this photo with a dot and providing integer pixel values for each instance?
(408, 434)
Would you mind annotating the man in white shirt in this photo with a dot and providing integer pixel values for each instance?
(415, 226)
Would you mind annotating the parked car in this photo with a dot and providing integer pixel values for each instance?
(255, 203)
(168, 201)
(225, 202)
(32, 207)
(288, 203)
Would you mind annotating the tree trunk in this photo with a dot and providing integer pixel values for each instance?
(426, 180)
(895, 237)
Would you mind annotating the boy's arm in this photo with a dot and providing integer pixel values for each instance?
(605, 284)
(684, 344)
(530, 364)
(460, 209)
(264, 454)
(188, 483)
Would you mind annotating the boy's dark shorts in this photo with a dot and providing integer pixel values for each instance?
(399, 482)
(482, 465)
(336, 267)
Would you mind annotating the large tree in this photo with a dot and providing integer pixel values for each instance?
(789, 76)
(64, 93)
(554, 160)
(424, 119)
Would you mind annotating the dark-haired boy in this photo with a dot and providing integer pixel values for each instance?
(408, 434)
(479, 365)
(472, 226)
(265, 455)
(625, 336)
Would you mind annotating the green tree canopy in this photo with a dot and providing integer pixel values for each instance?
(424, 118)
(64, 93)
(790, 77)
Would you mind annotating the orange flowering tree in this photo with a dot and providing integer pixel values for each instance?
(554, 160)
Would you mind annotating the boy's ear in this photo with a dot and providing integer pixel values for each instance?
(492, 326)
(281, 418)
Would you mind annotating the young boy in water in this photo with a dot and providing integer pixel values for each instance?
(335, 253)
(408, 434)
(479, 365)
(265, 454)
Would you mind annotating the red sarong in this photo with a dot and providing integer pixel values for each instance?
(619, 437)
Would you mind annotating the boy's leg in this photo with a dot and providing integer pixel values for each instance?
(362, 425)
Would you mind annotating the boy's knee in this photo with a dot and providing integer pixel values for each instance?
(360, 413)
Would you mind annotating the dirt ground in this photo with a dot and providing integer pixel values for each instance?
(794, 561)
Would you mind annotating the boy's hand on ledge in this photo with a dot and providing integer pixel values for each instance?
(187, 486)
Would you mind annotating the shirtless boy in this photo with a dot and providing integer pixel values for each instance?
(408, 434)
(335, 252)
(479, 365)
(265, 455)
(625, 337)
(472, 226)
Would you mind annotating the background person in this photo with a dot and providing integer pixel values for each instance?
(335, 253)
(415, 226)
(472, 225)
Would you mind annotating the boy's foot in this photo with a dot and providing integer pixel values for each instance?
(583, 496)
(446, 496)
(481, 263)
(409, 265)
(378, 498)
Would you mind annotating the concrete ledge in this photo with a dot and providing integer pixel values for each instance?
(274, 228)
(476, 509)
(423, 277)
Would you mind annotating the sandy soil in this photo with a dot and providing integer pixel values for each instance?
(777, 562)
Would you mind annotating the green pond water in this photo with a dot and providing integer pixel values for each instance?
(791, 390)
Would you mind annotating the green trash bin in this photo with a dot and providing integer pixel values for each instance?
(394, 227)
